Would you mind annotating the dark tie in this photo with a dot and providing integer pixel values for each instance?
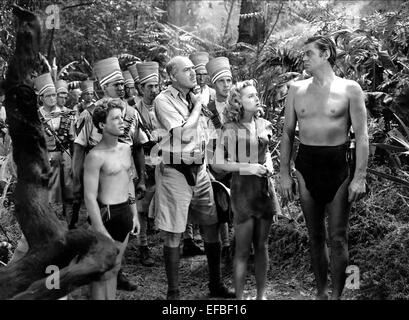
(189, 101)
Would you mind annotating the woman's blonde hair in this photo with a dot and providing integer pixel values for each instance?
(234, 110)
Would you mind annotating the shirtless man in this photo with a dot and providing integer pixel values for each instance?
(107, 189)
(325, 106)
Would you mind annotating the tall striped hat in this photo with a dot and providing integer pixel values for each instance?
(199, 60)
(74, 85)
(108, 70)
(44, 83)
(129, 81)
(218, 68)
(148, 72)
(134, 72)
(87, 86)
(61, 86)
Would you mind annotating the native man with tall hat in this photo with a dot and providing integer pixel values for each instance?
(137, 95)
(148, 73)
(67, 124)
(130, 90)
(111, 80)
(221, 78)
(74, 95)
(61, 87)
(86, 98)
(59, 135)
(200, 59)
(59, 130)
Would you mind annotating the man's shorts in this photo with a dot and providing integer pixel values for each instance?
(176, 201)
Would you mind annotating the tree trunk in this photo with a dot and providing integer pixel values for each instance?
(226, 30)
(251, 24)
(182, 12)
(82, 256)
(177, 12)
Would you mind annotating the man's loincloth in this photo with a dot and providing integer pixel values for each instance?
(324, 169)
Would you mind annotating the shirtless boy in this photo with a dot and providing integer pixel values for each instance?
(106, 190)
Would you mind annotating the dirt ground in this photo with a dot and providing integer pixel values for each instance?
(290, 284)
(377, 245)
(152, 284)
(285, 281)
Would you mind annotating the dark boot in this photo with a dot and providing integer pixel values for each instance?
(216, 286)
(172, 257)
(123, 283)
(190, 248)
(145, 257)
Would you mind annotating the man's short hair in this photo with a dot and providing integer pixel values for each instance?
(325, 43)
(172, 65)
(101, 112)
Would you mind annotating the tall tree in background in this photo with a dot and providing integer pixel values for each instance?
(229, 5)
(182, 12)
(252, 25)
(80, 256)
(99, 29)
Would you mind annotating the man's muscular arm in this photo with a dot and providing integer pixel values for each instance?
(358, 116)
(287, 140)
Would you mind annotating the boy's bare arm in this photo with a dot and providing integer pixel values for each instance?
(92, 167)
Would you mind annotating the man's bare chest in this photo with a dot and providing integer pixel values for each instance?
(330, 103)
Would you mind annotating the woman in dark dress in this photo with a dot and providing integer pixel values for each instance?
(243, 150)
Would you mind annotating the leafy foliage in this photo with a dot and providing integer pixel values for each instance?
(98, 29)
(385, 267)
(374, 53)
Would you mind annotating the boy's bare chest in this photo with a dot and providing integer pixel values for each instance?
(115, 163)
